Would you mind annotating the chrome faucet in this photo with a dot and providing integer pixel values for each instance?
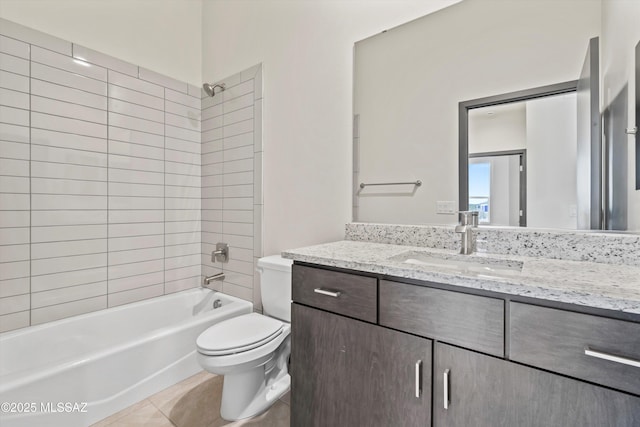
(209, 279)
(221, 254)
(468, 221)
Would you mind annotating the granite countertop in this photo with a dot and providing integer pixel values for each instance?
(604, 286)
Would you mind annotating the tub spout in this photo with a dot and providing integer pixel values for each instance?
(209, 279)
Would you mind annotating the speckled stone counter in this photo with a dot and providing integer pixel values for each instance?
(601, 247)
(610, 286)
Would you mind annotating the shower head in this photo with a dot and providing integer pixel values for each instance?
(211, 89)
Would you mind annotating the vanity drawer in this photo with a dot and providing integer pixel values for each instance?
(343, 293)
(577, 345)
(469, 321)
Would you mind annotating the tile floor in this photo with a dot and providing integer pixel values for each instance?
(194, 402)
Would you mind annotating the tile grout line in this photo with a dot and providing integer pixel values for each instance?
(30, 201)
(164, 195)
(223, 107)
(255, 284)
(108, 170)
(166, 416)
(202, 262)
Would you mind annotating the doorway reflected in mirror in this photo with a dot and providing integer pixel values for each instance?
(498, 187)
(531, 147)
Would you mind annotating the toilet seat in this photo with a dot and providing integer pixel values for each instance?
(239, 334)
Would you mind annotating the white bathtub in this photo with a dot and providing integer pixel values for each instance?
(76, 371)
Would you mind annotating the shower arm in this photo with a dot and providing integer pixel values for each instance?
(210, 89)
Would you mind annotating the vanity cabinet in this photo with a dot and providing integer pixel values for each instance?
(484, 391)
(369, 351)
(347, 372)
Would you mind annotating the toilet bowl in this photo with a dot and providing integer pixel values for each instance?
(252, 350)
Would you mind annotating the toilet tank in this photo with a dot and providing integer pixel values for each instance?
(275, 286)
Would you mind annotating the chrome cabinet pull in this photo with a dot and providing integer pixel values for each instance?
(418, 379)
(445, 389)
(326, 292)
(611, 357)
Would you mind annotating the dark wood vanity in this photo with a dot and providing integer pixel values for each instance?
(372, 350)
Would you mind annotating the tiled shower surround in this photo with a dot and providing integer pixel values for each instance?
(112, 188)
(231, 177)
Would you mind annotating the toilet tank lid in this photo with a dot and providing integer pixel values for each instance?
(275, 262)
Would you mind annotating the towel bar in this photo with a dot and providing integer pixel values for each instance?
(417, 183)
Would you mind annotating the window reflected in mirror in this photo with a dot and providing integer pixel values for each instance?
(480, 189)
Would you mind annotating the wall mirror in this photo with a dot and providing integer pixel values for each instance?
(409, 82)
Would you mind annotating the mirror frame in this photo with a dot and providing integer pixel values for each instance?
(463, 126)
(637, 123)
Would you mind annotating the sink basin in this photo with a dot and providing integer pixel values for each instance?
(461, 263)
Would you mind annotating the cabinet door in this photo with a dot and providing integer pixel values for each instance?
(350, 373)
(491, 392)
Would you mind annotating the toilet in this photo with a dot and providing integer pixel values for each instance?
(252, 351)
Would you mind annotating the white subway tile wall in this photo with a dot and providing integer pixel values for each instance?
(112, 187)
(183, 265)
(232, 183)
(136, 186)
(15, 200)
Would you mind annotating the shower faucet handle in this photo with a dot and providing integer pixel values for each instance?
(221, 254)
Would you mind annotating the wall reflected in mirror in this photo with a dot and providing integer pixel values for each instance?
(409, 80)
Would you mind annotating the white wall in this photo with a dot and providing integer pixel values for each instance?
(306, 48)
(503, 130)
(551, 160)
(501, 193)
(161, 35)
(620, 34)
(457, 54)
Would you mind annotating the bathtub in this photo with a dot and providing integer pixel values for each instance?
(76, 371)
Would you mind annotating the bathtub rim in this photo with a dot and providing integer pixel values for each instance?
(16, 379)
(146, 301)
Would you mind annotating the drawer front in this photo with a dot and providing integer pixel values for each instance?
(583, 346)
(348, 294)
(466, 320)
